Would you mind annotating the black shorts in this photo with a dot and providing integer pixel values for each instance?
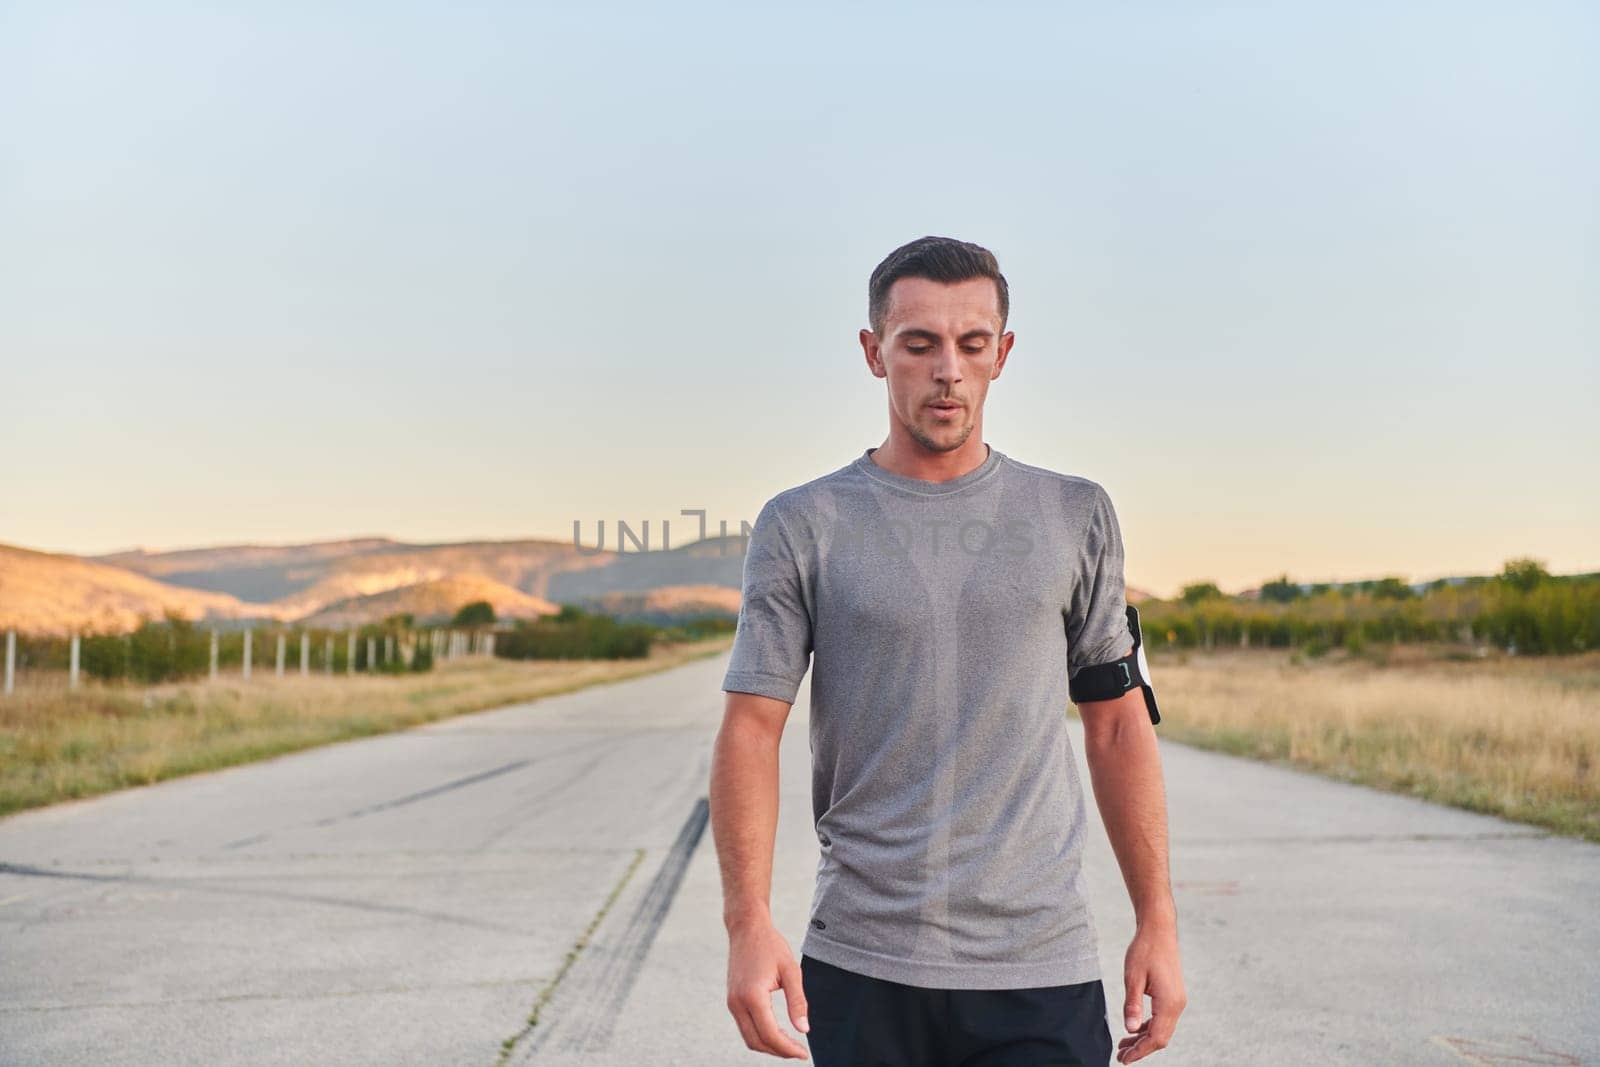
(857, 1021)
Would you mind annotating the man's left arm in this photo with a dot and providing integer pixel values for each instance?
(1125, 772)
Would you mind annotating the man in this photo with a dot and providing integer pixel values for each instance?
(942, 594)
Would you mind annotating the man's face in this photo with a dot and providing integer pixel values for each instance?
(941, 347)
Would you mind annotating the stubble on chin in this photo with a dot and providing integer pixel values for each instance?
(935, 444)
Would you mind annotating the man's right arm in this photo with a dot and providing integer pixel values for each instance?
(744, 824)
(771, 652)
(744, 803)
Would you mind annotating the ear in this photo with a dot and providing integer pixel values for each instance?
(1002, 350)
(874, 354)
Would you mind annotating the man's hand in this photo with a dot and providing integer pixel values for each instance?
(1151, 967)
(760, 961)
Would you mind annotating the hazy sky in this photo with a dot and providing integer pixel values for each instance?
(1308, 288)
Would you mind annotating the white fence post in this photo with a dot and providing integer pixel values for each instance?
(11, 661)
(350, 652)
(388, 648)
(280, 653)
(213, 655)
(489, 641)
(327, 655)
(305, 653)
(248, 635)
(372, 654)
(73, 670)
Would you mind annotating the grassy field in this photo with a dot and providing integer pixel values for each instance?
(57, 744)
(1512, 736)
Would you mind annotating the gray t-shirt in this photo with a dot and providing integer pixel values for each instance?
(941, 621)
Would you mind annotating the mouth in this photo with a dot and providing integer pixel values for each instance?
(945, 408)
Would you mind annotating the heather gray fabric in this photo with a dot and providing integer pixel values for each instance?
(941, 621)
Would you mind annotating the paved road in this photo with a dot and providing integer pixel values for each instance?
(414, 898)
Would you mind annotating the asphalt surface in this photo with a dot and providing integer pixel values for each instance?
(415, 898)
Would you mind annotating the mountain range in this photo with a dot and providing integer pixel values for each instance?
(348, 582)
(338, 583)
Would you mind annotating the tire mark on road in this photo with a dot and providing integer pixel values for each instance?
(412, 798)
(433, 791)
(510, 1043)
(1365, 839)
(409, 798)
(612, 970)
(574, 776)
(200, 886)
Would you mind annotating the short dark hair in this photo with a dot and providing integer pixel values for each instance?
(939, 259)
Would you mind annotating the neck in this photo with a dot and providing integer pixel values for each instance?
(903, 454)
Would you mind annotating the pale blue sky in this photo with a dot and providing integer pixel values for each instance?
(1309, 288)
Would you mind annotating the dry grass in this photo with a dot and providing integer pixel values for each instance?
(56, 744)
(1516, 737)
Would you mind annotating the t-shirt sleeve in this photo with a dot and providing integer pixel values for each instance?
(1097, 622)
(773, 639)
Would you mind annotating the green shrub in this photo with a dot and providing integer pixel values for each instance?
(477, 613)
(575, 634)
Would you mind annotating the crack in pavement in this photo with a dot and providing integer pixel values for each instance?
(573, 953)
(609, 973)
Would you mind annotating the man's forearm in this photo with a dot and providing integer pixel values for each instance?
(1125, 770)
(744, 817)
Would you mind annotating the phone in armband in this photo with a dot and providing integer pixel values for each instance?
(1107, 681)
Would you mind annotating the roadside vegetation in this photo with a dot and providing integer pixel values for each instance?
(1524, 610)
(1513, 736)
(1481, 693)
(115, 730)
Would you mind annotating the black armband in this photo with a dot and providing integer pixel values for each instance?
(1107, 681)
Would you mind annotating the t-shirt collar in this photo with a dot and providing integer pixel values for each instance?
(919, 485)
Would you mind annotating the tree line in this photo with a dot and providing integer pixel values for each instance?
(174, 648)
(1524, 609)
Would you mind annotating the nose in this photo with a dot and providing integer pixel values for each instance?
(947, 368)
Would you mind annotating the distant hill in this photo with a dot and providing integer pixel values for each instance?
(255, 573)
(433, 601)
(302, 579)
(41, 592)
(340, 582)
(715, 561)
(666, 605)
(337, 583)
